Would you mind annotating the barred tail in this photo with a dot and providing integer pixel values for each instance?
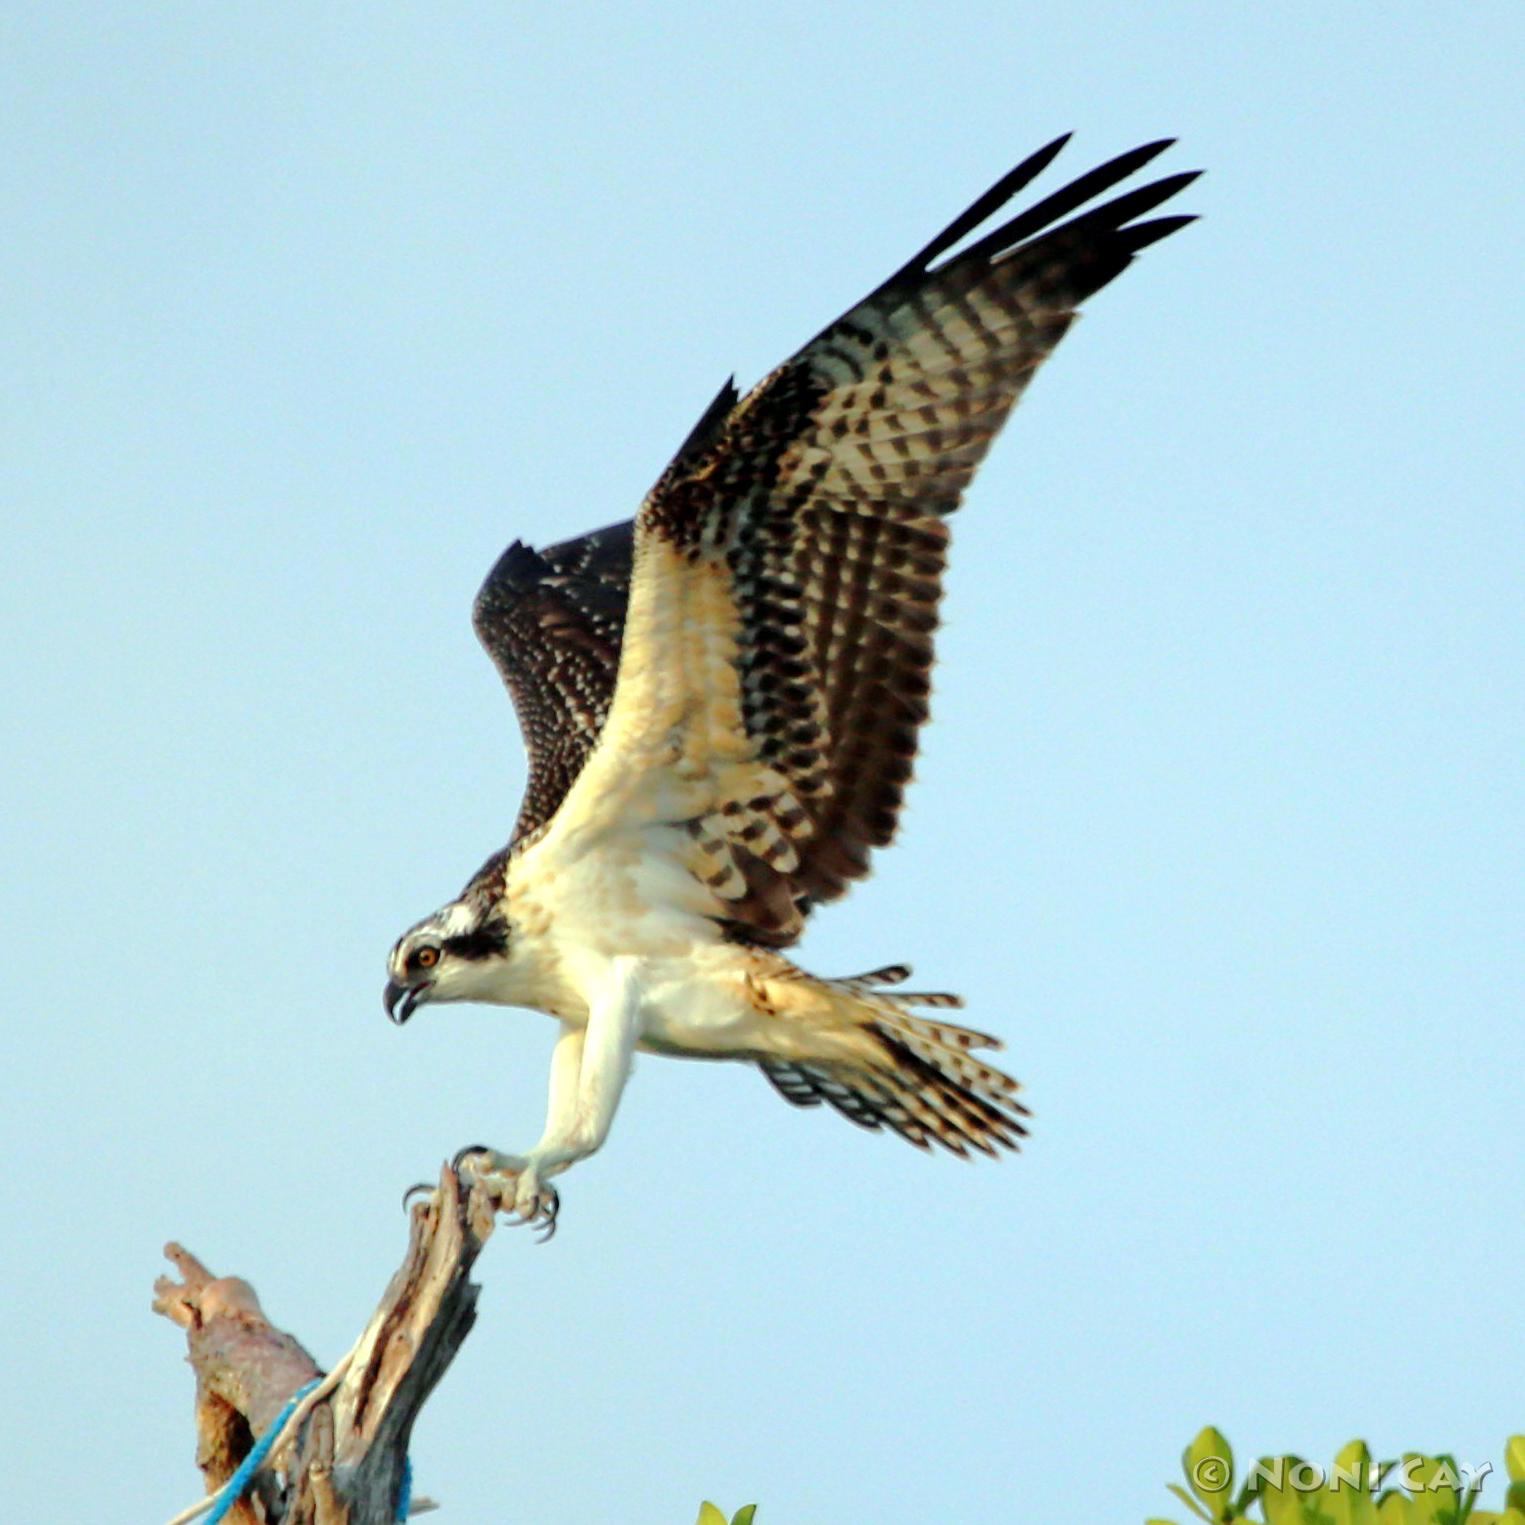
(915, 1074)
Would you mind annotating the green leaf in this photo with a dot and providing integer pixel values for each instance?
(1156, 1521)
(1352, 1467)
(1209, 1466)
(1256, 1479)
(1190, 1502)
(1395, 1509)
(710, 1515)
(744, 1515)
(1514, 1458)
(1432, 1482)
(1348, 1487)
(1281, 1502)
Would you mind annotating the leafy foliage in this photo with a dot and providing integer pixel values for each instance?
(1355, 1490)
(1286, 1490)
(710, 1515)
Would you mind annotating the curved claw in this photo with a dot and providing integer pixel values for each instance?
(511, 1178)
(550, 1206)
(413, 1190)
(460, 1154)
(543, 1218)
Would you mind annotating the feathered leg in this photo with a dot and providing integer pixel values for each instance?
(588, 1073)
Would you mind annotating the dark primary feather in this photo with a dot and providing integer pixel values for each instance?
(824, 492)
(551, 622)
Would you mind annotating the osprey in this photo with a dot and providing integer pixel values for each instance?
(721, 700)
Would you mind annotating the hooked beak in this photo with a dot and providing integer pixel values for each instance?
(400, 1001)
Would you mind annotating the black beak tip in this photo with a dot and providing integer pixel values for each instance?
(397, 1002)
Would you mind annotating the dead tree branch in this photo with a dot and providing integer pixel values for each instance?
(343, 1462)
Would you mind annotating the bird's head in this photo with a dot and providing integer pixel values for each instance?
(457, 954)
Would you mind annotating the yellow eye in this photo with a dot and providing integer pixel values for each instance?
(426, 958)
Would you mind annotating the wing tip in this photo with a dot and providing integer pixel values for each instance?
(707, 430)
(1044, 214)
(517, 570)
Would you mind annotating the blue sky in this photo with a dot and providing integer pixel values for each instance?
(309, 310)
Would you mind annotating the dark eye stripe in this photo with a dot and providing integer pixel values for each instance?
(490, 939)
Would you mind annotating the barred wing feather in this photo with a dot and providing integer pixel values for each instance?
(787, 569)
(551, 621)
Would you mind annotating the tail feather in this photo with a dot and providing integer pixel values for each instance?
(898, 974)
(917, 1076)
(888, 974)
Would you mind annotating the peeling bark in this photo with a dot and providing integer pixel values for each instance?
(343, 1464)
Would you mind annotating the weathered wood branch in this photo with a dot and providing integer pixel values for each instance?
(344, 1463)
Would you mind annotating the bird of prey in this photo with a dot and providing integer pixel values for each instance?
(721, 699)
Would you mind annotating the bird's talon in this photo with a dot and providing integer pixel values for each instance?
(549, 1207)
(461, 1154)
(544, 1226)
(513, 1184)
(536, 1204)
(413, 1190)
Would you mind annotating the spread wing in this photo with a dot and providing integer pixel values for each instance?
(551, 622)
(788, 564)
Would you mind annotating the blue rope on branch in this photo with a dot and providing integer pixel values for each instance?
(405, 1492)
(237, 1485)
(233, 1490)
